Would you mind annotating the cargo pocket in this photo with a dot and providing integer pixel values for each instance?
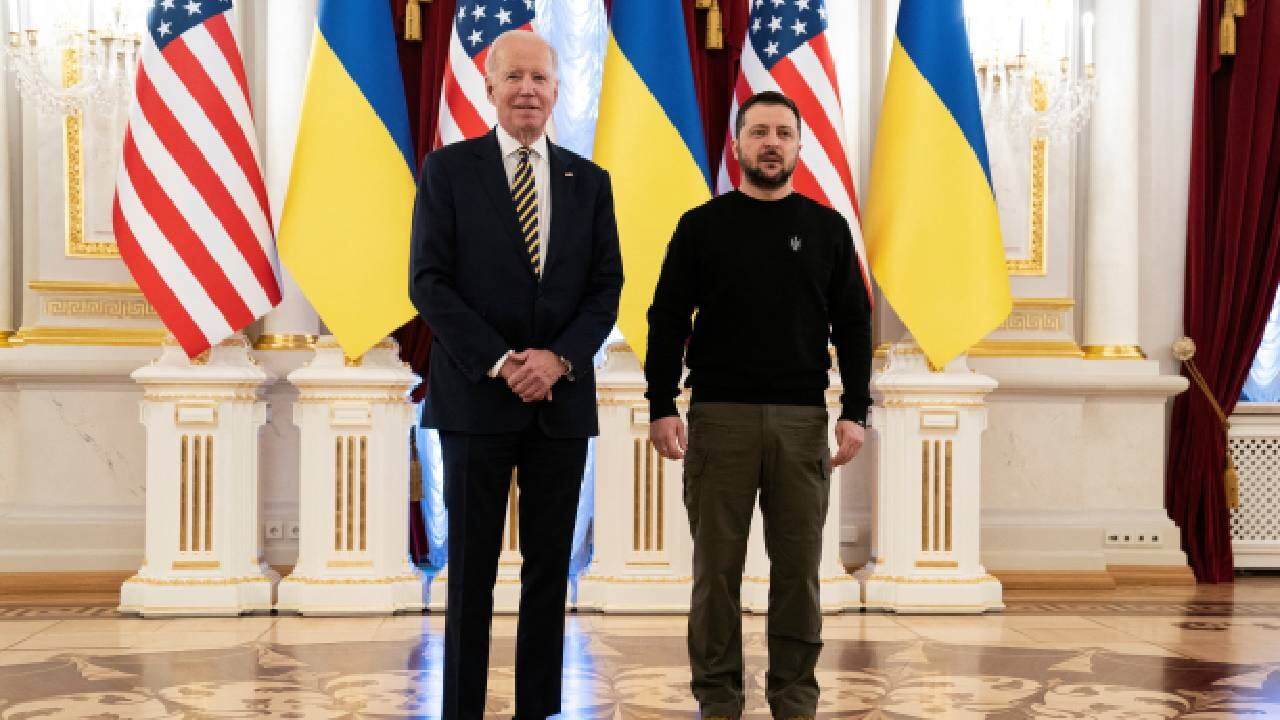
(695, 464)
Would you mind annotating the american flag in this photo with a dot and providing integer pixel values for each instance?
(465, 111)
(191, 214)
(787, 51)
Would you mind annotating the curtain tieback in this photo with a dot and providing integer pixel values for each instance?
(1185, 350)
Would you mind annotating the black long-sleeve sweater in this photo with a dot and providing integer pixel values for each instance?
(771, 282)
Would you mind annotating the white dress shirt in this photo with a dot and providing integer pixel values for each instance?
(509, 147)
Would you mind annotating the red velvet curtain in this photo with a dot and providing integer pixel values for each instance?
(715, 72)
(422, 66)
(1233, 262)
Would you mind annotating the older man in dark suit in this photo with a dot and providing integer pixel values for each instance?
(517, 270)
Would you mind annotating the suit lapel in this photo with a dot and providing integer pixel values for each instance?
(493, 176)
(560, 175)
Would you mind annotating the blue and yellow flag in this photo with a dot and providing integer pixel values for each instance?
(930, 219)
(649, 138)
(344, 233)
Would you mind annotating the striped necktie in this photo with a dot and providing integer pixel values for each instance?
(525, 195)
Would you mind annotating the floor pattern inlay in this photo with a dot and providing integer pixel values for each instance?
(623, 676)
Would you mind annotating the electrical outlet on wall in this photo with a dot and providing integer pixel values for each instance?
(1131, 538)
(274, 530)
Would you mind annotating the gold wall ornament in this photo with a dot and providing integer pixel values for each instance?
(1034, 264)
(84, 287)
(73, 335)
(77, 245)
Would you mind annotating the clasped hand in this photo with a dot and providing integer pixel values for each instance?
(531, 373)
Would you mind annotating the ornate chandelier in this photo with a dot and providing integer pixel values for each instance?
(77, 63)
(1044, 88)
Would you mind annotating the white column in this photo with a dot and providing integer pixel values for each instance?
(7, 266)
(1111, 322)
(290, 27)
(203, 543)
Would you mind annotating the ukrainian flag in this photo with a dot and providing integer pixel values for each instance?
(649, 138)
(930, 220)
(344, 233)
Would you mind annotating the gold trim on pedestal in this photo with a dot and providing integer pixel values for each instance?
(47, 335)
(1113, 352)
(286, 342)
(196, 565)
(5, 336)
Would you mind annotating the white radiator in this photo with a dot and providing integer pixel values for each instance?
(1255, 446)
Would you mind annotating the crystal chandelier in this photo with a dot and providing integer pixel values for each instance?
(76, 65)
(1042, 90)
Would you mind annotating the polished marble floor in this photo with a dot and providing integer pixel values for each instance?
(1135, 653)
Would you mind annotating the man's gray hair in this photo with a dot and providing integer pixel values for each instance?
(490, 61)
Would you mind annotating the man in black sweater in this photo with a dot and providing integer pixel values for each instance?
(772, 276)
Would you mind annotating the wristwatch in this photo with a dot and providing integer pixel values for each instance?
(568, 368)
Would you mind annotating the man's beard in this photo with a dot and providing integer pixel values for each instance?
(758, 177)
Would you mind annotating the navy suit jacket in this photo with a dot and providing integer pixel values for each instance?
(473, 283)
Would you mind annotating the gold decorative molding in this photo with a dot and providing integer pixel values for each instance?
(77, 245)
(83, 287)
(631, 579)
(286, 342)
(5, 337)
(1027, 348)
(200, 581)
(351, 581)
(1033, 320)
(100, 308)
(349, 563)
(196, 565)
(1034, 263)
(49, 335)
(937, 564)
(1113, 352)
(904, 580)
(1047, 303)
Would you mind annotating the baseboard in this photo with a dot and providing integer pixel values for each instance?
(72, 586)
(31, 585)
(1055, 579)
(1152, 574)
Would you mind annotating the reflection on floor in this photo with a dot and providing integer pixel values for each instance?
(1211, 652)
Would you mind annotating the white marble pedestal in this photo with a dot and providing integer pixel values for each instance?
(203, 544)
(925, 549)
(354, 417)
